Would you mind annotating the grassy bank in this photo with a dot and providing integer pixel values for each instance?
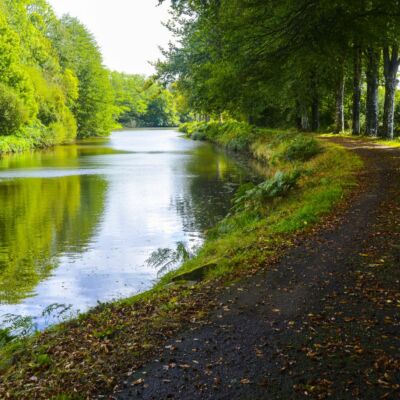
(304, 180)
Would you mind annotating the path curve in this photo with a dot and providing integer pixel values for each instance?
(323, 323)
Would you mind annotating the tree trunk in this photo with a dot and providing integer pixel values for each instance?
(357, 90)
(298, 115)
(314, 105)
(391, 67)
(302, 116)
(315, 114)
(305, 124)
(339, 115)
(372, 124)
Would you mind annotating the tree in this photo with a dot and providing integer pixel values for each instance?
(372, 108)
(13, 111)
(391, 67)
(94, 108)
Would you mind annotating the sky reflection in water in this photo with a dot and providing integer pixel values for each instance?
(78, 222)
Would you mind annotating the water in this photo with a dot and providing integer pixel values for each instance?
(78, 222)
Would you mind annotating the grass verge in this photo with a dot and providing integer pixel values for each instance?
(375, 140)
(305, 180)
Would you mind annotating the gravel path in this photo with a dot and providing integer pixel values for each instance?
(322, 323)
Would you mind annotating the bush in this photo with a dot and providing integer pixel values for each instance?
(258, 197)
(14, 144)
(199, 136)
(234, 136)
(13, 112)
(189, 128)
(301, 148)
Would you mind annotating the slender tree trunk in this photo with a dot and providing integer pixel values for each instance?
(298, 115)
(314, 105)
(391, 67)
(315, 114)
(357, 90)
(305, 124)
(302, 116)
(339, 115)
(372, 124)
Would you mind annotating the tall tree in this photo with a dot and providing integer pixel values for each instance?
(94, 109)
(339, 114)
(372, 107)
(356, 128)
(391, 61)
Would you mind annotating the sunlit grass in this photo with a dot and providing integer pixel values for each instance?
(384, 142)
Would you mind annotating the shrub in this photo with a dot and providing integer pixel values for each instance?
(190, 127)
(199, 136)
(14, 144)
(258, 197)
(13, 112)
(234, 136)
(301, 148)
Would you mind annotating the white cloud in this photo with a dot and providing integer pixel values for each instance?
(128, 31)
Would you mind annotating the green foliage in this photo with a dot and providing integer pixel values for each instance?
(259, 197)
(53, 85)
(143, 102)
(301, 148)
(13, 112)
(276, 63)
(43, 360)
(6, 337)
(14, 144)
(94, 108)
(274, 147)
(17, 326)
(286, 202)
(165, 259)
(234, 136)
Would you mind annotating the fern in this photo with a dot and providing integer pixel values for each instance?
(261, 195)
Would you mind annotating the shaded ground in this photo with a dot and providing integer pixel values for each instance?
(322, 323)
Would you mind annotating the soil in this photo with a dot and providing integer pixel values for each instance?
(323, 322)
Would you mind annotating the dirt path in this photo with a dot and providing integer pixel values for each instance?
(323, 323)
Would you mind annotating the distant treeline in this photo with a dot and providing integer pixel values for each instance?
(311, 64)
(143, 102)
(54, 87)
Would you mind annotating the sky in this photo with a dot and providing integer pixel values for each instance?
(127, 31)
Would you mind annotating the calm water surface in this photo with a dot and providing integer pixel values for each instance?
(78, 222)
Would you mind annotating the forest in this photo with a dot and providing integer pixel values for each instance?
(313, 65)
(55, 88)
(328, 66)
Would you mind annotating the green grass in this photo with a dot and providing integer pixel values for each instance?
(91, 353)
(384, 142)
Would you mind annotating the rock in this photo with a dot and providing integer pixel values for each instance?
(196, 274)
